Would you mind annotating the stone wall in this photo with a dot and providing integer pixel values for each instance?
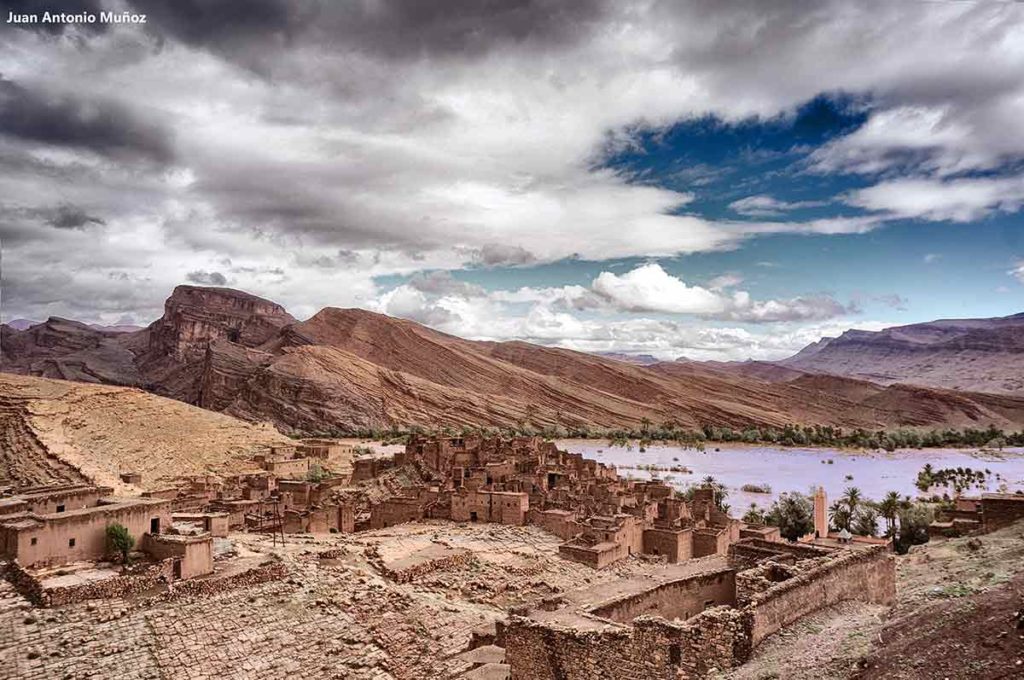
(537, 651)
(136, 581)
(269, 571)
(680, 599)
(133, 582)
(652, 649)
(596, 643)
(867, 575)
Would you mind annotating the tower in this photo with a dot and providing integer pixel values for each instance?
(820, 513)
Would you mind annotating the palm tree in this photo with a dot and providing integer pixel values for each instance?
(889, 508)
(840, 516)
(852, 498)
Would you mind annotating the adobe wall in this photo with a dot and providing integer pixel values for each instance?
(708, 542)
(1001, 512)
(676, 546)
(867, 575)
(195, 553)
(44, 503)
(680, 599)
(562, 525)
(395, 511)
(294, 468)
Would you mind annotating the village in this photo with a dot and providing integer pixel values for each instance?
(686, 587)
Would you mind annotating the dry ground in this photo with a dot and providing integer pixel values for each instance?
(338, 617)
(955, 619)
(332, 618)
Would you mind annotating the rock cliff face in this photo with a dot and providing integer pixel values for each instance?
(347, 369)
(195, 317)
(985, 355)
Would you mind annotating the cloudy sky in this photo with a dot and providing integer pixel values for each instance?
(712, 179)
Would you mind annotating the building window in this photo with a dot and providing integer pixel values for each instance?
(71, 543)
(675, 655)
(60, 508)
(34, 540)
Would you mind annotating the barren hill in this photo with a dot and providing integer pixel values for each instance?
(60, 431)
(346, 369)
(982, 355)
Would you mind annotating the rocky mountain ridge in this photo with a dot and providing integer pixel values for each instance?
(985, 355)
(347, 369)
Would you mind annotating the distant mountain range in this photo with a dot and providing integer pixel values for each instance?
(346, 369)
(25, 324)
(984, 355)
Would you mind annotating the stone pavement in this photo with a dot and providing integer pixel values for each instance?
(333, 617)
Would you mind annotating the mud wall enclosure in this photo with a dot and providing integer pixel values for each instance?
(605, 643)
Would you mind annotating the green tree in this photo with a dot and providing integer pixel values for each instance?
(913, 526)
(316, 474)
(889, 508)
(754, 515)
(852, 499)
(793, 514)
(865, 521)
(120, 540)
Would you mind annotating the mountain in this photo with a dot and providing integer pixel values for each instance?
(638, 359)
(346, 369)
(21, 324)
(984, 355)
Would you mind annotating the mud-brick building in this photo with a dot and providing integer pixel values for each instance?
(605, 540)
(51, 526)
(502, 507)
(979, 514)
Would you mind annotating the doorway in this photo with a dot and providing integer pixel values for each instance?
(154, 525)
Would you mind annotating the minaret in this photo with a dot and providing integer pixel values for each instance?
(820, 513)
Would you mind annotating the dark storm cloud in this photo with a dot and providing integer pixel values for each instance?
(207, 278)
(54, 7)
(101, 126)
(395, 29)
(72, 217)
(499, 254)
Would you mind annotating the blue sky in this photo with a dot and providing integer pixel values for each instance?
(708, 180)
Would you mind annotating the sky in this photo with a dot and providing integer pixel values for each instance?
(714, 180)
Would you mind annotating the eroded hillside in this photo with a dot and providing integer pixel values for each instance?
(60, 431)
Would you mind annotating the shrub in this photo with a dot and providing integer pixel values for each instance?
(120, 540)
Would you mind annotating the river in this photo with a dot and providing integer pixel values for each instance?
(800, 469)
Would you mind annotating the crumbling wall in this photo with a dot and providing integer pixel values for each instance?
(139, 580)
(652, 649)
(537, 651)
(867, 575)
(679, 599)
(269, 571)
